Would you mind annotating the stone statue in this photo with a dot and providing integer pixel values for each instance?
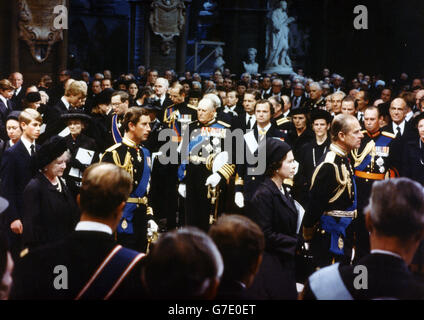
(278, 59)
(209, 7)
(251, 66)
(219, 62)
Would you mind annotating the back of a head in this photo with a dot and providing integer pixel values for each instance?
(396, 208)
(104, 187)
(182, 264)
(241, 243)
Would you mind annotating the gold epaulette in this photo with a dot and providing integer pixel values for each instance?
(192, 107)
(224, 124)
(110, 149)
(170, 106)
(282, 121)
(364, 131)
(388, 134)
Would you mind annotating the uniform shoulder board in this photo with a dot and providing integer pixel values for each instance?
(115, 146)
(282, 121)
(364, 131)
(330, 156)
(192, 107)
(170, 106)
(224, 124)
(388, 134)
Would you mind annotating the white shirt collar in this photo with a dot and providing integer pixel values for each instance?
(27, 144)
(287, 113)
(4, 100)
(18, 90)
(253, 117)
(409, 115)
(93, 226)
(266, 127)
(162, 99)
(389, 253)
(66, 103)
(402, 127)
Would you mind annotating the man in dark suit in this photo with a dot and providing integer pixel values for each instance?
(17, 81)
(74, 95)
(89, 249)
(248, 178)
(394, 218)
(161, 89)
(266, 88)
(398, 124)
(298, 98)
(246, 119)
(16, 170)
(6, 105)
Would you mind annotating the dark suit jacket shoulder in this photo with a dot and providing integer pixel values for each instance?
(81, 253)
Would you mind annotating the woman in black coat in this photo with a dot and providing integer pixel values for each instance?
(76, 123)
(50, 211)
(413, 153)
(274, 210)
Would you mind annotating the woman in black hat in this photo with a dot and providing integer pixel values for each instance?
(79, 146)
(49, 210)
(274, 210)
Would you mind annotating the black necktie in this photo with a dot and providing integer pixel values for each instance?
(399, 133)
(32, 150)
(249, 123)
(9, 104)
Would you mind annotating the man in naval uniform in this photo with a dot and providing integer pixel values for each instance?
(137, 216)
(120, 103)
(332, 205)
(204, 164)
(372, 161)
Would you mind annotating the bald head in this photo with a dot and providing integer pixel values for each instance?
(17, 79)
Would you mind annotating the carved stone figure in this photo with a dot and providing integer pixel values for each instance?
(167, 20)
(251, 66)
(219, 62)
(36, 26)
(278, 59)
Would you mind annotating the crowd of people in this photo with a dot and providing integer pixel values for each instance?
(295, 180)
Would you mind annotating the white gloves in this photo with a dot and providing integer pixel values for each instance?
(213, 180)
(239, 199)
(152, 227)
(182, 190)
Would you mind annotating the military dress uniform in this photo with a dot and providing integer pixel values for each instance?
(372, 161)
(132, 228)
(284, 124)
(332, 207)
(313, 105)
(198, 157)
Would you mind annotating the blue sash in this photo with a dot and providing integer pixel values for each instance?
(193, 143)
(115, 130)
(105, 279)
(338, 229)
(382, 141)
(128, 212)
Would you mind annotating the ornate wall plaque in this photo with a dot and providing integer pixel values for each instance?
(167, 20)
(36, 28)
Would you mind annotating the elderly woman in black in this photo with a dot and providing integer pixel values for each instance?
(50, 211)
(274, 210)
(77, 142)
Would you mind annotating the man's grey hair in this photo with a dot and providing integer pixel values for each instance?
(396, 208)
(298, 84)
(214, 98)
(196, 84)
(277, 81)
(316, 85)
